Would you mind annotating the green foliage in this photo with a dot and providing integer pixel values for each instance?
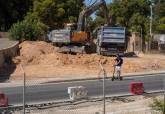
(136, 22)
(158, 105)
(25, 30)
(159, 18)
(159, 10)
(45, 14)
(32, 17)
(130, 13)
(160, 26)
(54, 13)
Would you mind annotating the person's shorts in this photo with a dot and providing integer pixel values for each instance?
(117, 68)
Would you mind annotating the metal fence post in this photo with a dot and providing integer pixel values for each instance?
(164, 96)
(104, 73)
(24, 90)
(104, 92)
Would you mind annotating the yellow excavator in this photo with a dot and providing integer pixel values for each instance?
(75, 37)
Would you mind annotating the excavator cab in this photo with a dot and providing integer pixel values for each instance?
(80, 36)
(70, 26)
(77, 36)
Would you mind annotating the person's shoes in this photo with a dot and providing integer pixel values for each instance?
(121, 78)
(113, 78)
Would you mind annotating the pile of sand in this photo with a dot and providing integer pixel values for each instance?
(31, 52)
(34, 53)
(41, 58)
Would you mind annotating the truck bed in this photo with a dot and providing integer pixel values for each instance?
(112, 34)
(111, 40)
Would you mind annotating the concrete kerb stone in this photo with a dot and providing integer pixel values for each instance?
(64, 102)
(87, 79)
(36, 82)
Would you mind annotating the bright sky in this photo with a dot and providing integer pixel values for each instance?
(91, 1)
(88, 1)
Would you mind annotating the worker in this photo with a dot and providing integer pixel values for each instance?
(117, 66)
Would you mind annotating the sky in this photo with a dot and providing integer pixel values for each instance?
(88, 1)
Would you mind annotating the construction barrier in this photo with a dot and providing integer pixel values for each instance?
(77, 92)
(136, 88)
(3, 100)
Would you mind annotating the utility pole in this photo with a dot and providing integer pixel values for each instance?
(141, 41)
(151, 18)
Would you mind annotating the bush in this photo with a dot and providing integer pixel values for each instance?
(25, 30)
(158, 105)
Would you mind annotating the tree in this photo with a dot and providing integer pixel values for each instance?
(160, 26)
(54, 13)
(159, 17)
(46, 14)
(25, 30)
(12, 11)
(129, 12)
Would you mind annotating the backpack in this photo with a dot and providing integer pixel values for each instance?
(121, 61)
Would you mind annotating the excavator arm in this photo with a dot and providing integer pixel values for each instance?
(89, 10)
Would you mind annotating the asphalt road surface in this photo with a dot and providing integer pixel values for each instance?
(58, 91)
(5, 43)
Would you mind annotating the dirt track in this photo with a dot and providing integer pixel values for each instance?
(41, 60)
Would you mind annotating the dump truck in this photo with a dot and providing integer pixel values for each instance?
(75, 37)
(111, 40)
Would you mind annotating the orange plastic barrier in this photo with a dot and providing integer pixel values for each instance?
(136, 88)
(3, 100)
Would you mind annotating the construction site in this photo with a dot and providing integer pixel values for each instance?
(82, 57)
(41, 60)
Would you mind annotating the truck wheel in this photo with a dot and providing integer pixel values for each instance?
(88, 49)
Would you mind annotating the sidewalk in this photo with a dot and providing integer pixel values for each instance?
(16, 83)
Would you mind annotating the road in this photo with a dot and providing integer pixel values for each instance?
(58, 91)
(5, 43)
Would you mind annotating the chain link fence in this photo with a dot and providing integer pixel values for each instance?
(158, 44)
(103, 94)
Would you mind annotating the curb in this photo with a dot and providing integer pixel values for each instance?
(46, 105)
(20, 83)
(88, 79)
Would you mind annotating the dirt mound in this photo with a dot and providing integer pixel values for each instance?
(67, 59)
(31, 52)
(41, 59)
(42, 53)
